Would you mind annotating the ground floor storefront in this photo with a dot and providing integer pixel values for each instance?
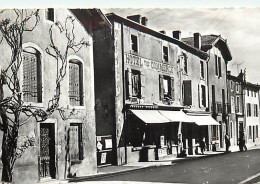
(154, 132)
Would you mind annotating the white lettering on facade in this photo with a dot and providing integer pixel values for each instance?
(146, 63)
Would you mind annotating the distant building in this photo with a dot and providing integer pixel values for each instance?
(62, 148)
(252, 123)
(219, 55)
(236, 123)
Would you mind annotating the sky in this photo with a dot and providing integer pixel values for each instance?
(240, 26)
(238, 21)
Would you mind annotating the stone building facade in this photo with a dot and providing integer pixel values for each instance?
(61, 148)
(151, 92)
(219, 55)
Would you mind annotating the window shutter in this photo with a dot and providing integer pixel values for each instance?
(74, 142)
(187, 93)
(142, 84)
(252, 109)
(81, 152)
(199, 95)
(172, 89)
(128, 83)
(161, 87)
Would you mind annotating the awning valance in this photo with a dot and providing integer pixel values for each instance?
(201, 120)
(176, 116)
(150, 116)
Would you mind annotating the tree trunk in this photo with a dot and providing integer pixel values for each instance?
(8, 154)
(9, 145)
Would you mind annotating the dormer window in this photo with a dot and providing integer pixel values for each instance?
(49, 14)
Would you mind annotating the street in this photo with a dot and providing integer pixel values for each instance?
(227, 169)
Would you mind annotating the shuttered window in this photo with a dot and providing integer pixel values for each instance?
(32, 77)
(75, 83)
(75, 142)
(166, 87)
(203, 95)
(135, 84)
(187, 93)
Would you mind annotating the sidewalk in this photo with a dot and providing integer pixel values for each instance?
(167, 160)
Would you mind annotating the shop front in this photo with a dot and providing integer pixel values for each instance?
(199, 130)
(153, 134)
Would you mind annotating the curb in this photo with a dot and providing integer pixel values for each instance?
(98, 176)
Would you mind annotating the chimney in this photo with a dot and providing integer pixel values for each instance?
(162, 31)
(135, 18)
(197, 40)
(144, 21)
(176, 34)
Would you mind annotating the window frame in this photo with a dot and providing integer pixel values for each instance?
(136, 73)
(41, 57)
(82, 63)
(168, 79)
(47, 16)
(185, 63)
(132, 43)
(80, 141)
(165, 55)
(202, 70)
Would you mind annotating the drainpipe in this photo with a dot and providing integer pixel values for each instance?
(207, 61)
(124, 95)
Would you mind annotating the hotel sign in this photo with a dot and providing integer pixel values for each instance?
(138, 61)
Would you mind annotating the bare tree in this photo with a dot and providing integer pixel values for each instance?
(12, 106)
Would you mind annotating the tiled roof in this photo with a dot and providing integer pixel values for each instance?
(205, 40)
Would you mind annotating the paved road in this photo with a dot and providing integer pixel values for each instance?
(227, 169)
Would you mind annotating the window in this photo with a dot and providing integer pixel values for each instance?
(216, 65)
(75, 142)
(233, 104)
(218, 71)
(185, 64)
(255, 93)
(215, 132)
(201, 69)
(250, 132)
(256, 131)
(252, 93)
(49, 13)
(238, 104)
(237, 87)
(75, 83)
(203, 95)
(248, 105)
(247, 91)
(166, 87)
(187, 93)
(134, 44)
(32, 75)
(231, 129)
(255, 110)
(136, 84)
(165, 54)
(219, 67)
